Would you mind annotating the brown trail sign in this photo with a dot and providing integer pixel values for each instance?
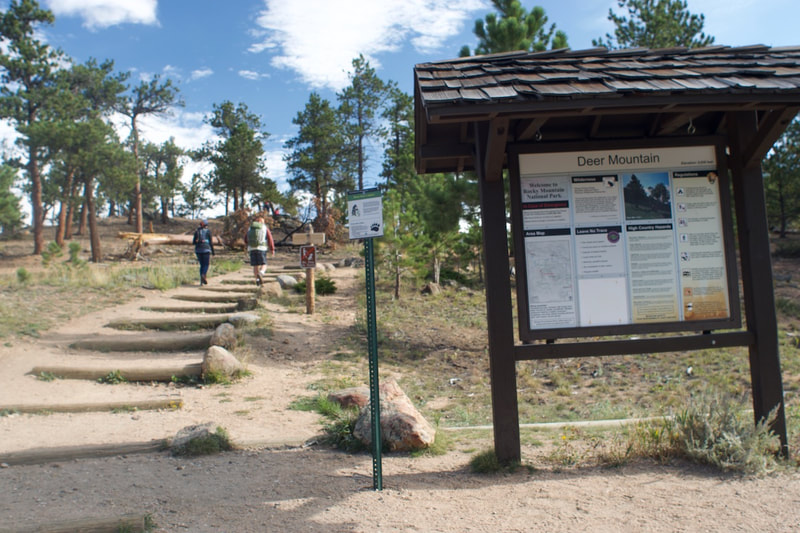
(574, 129)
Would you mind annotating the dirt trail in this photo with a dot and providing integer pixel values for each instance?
(283, 486)
(253, 410)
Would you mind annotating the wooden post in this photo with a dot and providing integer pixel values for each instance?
(759, 299)
(502, 365)
(311, 291)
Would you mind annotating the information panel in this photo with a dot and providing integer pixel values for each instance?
(622, 238)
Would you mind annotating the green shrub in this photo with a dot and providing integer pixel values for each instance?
(322, 285)
(487, 462)
(114, 377)
(74, 250)
(23, 276)
(52, 252)
(717, 431)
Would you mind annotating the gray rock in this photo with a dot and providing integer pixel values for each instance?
(286, 282)
(220, 360)
(212, 441)
(240, 319)
(272, 288)
(246, 304)
(432, 289)
(224, 336)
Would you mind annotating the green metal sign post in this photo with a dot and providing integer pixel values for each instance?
(374, 387)
(365, 218)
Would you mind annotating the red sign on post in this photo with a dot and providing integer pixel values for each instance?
(308, 256)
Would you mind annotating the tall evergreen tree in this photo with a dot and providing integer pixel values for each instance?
(782, 180)
(28, 76)
(655, 24)
(359, 105)
(238, 155)
(152, 97)
(515, 29)
(163, 170)
(314, 153)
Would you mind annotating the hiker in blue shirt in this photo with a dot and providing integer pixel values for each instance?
(203, 249)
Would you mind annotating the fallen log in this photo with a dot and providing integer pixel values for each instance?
(166, 373)
(161, 238)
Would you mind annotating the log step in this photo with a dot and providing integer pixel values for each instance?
(210, 298)
(130, 374)
(135, 523)
(229, 308)
(174, 402)
(141, 343)
(171, 324)
(247, 290)
(37, 456)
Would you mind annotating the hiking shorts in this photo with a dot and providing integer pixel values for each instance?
(258, 257)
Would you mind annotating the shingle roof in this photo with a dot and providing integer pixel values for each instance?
(599, 82)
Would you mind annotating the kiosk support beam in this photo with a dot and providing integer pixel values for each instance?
(502, 365)
(751, 218)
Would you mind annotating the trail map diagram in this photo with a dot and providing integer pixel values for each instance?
(549, 271)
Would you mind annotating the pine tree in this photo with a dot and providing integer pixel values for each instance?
(655, 24)
(515, 29)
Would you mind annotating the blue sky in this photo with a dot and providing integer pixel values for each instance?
(270, 54)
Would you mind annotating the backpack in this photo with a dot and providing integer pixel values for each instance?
(252, 235)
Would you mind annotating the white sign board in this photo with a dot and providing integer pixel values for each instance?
(623, 237)
(365, 213)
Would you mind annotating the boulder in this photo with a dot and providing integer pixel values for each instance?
(246, 304)
(403, 428)
(241, 319)
(432, 289)
(200, 439)
(286, 281)
(271, 289)
(218, 359)
(352, 397)
(224, 336)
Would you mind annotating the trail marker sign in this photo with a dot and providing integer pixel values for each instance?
(308, 256)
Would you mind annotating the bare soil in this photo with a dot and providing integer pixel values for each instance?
(280, 480)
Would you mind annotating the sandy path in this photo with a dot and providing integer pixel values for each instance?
(293, 488)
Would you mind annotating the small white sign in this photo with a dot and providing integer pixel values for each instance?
(365, 213)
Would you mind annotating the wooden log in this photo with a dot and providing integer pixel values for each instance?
(209, 298)
(229, 308)
(161, 238)
(192, 322)
(130, 374)
(239, 289)
(135, 523)
(174, 402)
(150, 343)
(37, 456)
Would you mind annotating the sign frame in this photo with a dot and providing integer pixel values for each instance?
(365, 213)
(527, 333)
(308, 256)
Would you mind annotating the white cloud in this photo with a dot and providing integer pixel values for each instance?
(251, 74)
(104, 13)
(200, 73)
(319, 39)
